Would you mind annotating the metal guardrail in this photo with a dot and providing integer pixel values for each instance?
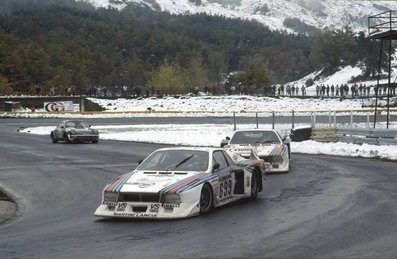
(367, 136)
(356, 135)
(326, 134)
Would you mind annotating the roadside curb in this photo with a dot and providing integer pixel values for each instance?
(8, 205)
(8, 210)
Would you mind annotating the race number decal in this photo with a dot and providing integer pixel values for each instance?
(225, 189)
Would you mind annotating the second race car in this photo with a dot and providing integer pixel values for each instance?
(264, 144)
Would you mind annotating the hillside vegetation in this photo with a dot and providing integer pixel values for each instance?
(61, 44)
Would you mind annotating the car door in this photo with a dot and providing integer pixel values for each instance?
(224, 191)
(60, 130)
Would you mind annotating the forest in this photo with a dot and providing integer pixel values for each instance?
(57, 45)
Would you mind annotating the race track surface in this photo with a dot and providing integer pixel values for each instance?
(326, 207)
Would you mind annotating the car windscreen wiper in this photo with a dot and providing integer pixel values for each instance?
(180, 163)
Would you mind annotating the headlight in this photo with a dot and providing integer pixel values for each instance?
(172, 198)
(110, 197)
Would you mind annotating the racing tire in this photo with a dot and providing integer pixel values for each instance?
(53, 139)
(206, 199)
(288, 168)
(67, 139)
(254, 186)
(95, 141)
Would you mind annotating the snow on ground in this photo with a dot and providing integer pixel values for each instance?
(343, 76)
(234, 103)
(212, 134)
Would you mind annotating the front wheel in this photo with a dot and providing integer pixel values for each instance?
(53, 139)
(206, 199)
(254, 186)
(67, 138)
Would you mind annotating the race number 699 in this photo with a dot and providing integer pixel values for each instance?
(225, 189)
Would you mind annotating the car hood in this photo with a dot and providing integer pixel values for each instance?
(154, 181)
(259, 149)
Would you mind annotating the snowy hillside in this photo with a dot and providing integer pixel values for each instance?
(276, 14)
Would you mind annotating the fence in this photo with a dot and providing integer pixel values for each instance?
(354, 126)
(356, 135)
(367, 136)
(363, 118)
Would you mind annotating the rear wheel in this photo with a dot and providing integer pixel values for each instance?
(95, 141)
(53, 139)
(206, 199)
(254, 185)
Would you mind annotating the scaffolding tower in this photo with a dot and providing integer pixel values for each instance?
(383, 27)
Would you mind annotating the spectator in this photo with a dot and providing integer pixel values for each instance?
(38, 89)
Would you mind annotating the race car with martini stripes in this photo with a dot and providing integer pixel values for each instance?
(266, 144)
(181, 182)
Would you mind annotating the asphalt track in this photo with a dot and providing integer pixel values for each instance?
(326, 207)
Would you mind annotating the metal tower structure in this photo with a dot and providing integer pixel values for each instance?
(383, 27)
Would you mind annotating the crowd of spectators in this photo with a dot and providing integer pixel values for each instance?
(326, 90)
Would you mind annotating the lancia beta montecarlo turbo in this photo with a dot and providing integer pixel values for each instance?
(181, 182)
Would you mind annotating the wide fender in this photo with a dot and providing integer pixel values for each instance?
(192, 196)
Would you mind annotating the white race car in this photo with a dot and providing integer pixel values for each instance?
(261, 144)
(181, 182)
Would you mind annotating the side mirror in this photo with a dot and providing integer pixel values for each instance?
(225, 141)
(216, 166)
(140, 161)
(286, 140)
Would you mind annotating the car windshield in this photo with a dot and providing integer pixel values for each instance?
(176, 160)
(75, 124)
(254, 137)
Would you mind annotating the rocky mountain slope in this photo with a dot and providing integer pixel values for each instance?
(289, 15)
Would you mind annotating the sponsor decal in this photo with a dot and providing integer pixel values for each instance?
(110, 203)
(145, 184)
(135, 214)
(226, 177)
(121, 206)
(59, 106)
(154, 207)
(170, 205)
